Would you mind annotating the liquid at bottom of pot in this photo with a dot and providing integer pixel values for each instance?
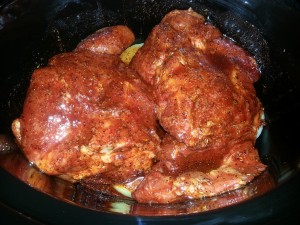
(17, 165)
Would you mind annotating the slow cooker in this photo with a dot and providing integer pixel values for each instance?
(33, 31)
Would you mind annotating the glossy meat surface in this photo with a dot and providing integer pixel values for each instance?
(203, 87)
(86, 112)
(183, 173)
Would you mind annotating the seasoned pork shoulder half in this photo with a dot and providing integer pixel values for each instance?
(88, 113)
(206, 102)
